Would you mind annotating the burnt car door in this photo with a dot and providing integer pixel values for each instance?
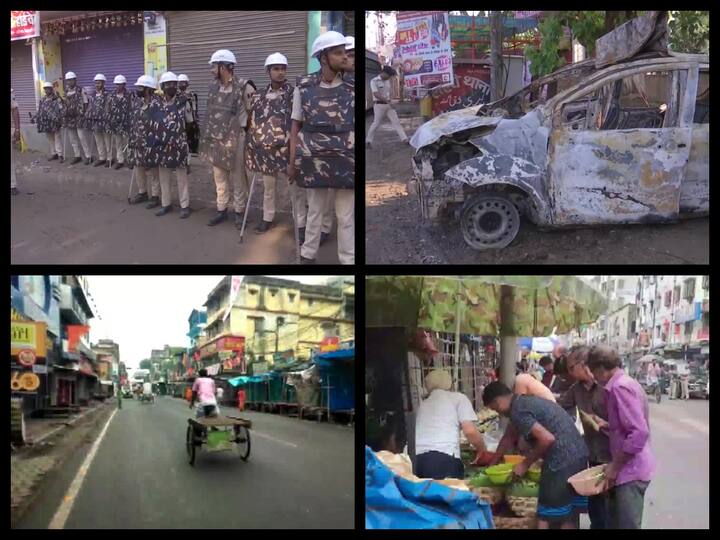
(620, 143)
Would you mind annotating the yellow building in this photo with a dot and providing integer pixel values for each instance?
(277, 315)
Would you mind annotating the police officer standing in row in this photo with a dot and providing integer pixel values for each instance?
(223, 140)
(73, 108)
(322, 145)
(267, 142)
(49, 119)
(138, 143)
(168, 125)
(15, 114)
(119, 116)
(98, 115)
(192, 128)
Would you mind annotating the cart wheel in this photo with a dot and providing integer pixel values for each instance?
(190, 444)
(242, 442)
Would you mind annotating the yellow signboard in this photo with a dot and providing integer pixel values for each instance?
(28, 335)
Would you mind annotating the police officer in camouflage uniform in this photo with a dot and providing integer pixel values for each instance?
(267, 142)
(73, 107)
(98, 111)
(192, 127)
(167, 122)
(138, 143)
(85, 126)
(49, 120)
(119, 117)
(322, 145)
(223, 139)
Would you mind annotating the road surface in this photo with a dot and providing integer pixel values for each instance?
(299, 475)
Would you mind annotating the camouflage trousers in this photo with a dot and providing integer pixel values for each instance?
(343, 204)
(143, 176)
(270, 197)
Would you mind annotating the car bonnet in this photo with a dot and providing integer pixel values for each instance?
(449, 123)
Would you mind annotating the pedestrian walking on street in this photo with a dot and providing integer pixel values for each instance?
(167, 123)
(589, 397)
(119, 120)
(223, 139)
(380, 88)
(138, 144)
(192, 126)
(322, 146)
(555, 440)
(73, 108)
(98, 112)
(267, 142)
(15, 114)
(49, 120)
(632, 463)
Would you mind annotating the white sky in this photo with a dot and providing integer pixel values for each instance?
(142, 313)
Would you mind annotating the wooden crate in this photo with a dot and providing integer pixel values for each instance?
(523, 506)
(503, 522)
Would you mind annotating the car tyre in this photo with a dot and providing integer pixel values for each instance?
(489, 220)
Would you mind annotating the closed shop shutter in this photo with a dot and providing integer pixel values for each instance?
(194, 35)
(22, 79)
(111, 51)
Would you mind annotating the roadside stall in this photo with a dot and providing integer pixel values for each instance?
(337, 376)
(494, 307)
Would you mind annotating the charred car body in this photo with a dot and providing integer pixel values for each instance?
(621, 138)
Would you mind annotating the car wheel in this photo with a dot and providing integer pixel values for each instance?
(489, 220)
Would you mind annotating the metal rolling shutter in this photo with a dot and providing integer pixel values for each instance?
(22, 79)
(111, 51)
(194, 35)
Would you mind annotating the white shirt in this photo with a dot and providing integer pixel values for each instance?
(437, 427)
(147, 388)
(377, 84)
(219, 393)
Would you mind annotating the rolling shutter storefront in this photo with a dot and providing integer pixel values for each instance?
(22, 79)
(194, 35)
(110, 51)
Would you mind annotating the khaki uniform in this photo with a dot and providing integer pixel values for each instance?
(137, 155)
(315, 174)
(267, 148)
(49, 121)
(98, 113)
(73, 110)
(168, 124)
(381, 110)
(223, 140)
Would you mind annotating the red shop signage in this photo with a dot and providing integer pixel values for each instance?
(471, 87)
(24, 24)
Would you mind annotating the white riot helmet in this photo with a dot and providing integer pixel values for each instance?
(349, 43)
(183, 78)
(146, 81)
(327, 41)
(70, 75)
(119, 79)
(47, 84)
(222, 55)
(168, 76)
(276, 59)
(100, 77)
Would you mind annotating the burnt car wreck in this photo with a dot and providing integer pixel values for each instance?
(621, 138)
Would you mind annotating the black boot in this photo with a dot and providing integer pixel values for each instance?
(185, 213)
(154, 203)
(54, 156)
(263, 227)
(14, 191)
(324, 237)
(76, 160)
(219, 217)
(238, 221)
(164, 210)
(62, 159)
(118, 166)
(99, 162)
(87, 161)
(140, 197)
(303, 260)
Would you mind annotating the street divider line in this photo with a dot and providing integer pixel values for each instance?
(63, 511)
(256, 434)
(703, 428)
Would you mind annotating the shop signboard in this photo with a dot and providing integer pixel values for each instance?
(423, 44)
(471, 87)
(24, 24)
(26, 336)
(26, 357)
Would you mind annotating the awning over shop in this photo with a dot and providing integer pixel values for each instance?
(539, 303)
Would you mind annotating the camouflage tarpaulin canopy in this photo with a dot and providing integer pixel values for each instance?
(540, 303)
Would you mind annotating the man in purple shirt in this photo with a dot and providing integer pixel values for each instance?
(632, 466)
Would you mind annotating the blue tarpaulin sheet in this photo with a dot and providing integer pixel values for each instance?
(392, 502)
(337, 371)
